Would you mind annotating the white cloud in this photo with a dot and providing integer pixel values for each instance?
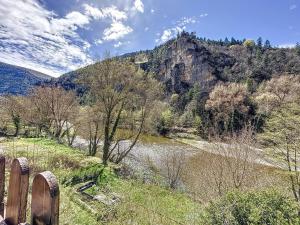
(287, 45)
(186, 20)
(116, 31)
(93, 12)
(139, 6)
(114, 13)
(34, 37)
(152, 11)
(169, 34)
(292, 7)
(146, 28)
(98, 42)
(180, 25)
(108, 12)
(117, 28)
(203, 15)
(119, 44)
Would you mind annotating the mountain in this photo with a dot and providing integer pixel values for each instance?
(18, 80)
(188, 60)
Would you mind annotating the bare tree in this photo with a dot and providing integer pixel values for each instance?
(121, 94)
(52, 108)
(173, 167)
(282, 138)
(239, 158)
(224, 167)
(91, 128)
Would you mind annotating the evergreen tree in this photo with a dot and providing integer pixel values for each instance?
(267, 44)
(233, 41)
(259, 42)
(298, 48)
(226, 42)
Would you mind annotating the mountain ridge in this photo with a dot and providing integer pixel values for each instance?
(18, 80)
(186, 60)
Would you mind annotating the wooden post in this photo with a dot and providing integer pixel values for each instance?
(45, 200)
(2, 184)
(17, 192)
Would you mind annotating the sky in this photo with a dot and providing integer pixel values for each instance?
(58, 36)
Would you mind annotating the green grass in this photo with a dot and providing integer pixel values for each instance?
(138, 203)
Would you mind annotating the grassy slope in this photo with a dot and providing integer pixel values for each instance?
(140, 203)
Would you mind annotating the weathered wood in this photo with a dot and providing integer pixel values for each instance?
(17, 192)
(45, 200)
(2, 184)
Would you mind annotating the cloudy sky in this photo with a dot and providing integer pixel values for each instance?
(58, 36)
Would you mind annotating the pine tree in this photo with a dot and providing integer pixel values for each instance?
(298, 48)
(233, 41)
(226, 42)
(267, 44)
(259, 42)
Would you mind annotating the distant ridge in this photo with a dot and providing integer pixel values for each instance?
(16, 80)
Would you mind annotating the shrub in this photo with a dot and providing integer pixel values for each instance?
(253, 208)
(96, 172)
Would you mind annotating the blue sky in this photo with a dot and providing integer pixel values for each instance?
(55, 36)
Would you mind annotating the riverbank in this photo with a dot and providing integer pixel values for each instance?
(138, 203)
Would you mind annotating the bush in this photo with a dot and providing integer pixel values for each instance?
(253, 208)
(95, 172)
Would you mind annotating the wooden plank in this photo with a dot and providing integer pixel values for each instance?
(17, 192)
(2, 184)
(45, 200)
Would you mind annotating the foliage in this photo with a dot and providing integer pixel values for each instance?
(95, 172)
(166, 122)
(249, 44)
(255, 208)
(229, 104)
(121, 96)
(282, 137)
(139, 203)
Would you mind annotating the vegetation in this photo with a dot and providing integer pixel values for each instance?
(137, 202)
(245, 115)
(267, 207)
(121, 95)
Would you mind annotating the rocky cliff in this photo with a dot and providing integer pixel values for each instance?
(188, 60)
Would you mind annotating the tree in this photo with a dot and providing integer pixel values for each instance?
(121, 94)
(91, 128)
(229, 104)
(249, 44)
(259, 42)
(14, 107)
(173, 163)
(282, 138)
(277, 92)
(5, 118)
(226, 42)
(267, 44)
(298, 48)
(51, 109)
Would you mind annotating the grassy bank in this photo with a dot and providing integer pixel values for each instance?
(138, 203)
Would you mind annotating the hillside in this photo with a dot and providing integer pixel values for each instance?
(188, 60)
(182, 62)
(18, 80)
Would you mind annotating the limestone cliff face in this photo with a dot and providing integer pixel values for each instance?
(187, 62)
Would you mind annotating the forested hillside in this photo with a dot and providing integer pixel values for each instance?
(18, 80)
(192, 68)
